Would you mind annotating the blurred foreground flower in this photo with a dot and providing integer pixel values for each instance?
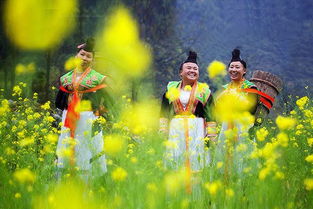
(308, 183)
(285, 122)
(72, 62)
(216, 68)
(58, 198)
(24, 176)
(24, 69)
(142, 117)
(121, 47)
(39, 24)
(119, 174)
(172, 94)
(114, 144)
(234, 106)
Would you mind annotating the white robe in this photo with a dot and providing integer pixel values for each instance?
(177, 153)
(86, 146)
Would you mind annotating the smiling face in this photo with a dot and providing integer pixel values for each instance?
(189, 72)
(86, 58)
(236, 71)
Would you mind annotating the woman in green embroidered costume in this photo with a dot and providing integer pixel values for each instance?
(235, 107)
(82, 99)
(186, 113)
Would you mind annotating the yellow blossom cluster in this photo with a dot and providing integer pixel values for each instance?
(216, 68)
(28, 23)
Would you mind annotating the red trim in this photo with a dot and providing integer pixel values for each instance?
(266, 99)
(259, 93)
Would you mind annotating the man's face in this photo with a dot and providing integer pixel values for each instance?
(86, 58)
(189, 72)
(236, 71)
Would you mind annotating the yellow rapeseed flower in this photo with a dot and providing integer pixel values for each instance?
(17, 195)
(188, 88)
(216, 68)
(84, 105)
(119, 174)
(46, 106)
(309, 158)
(213, 187)
(229, 192)
(219, 164)
(172, 94)
(282, 139)
(308, 183)
(17, 91)
(263, 173)
(72, 63)
(127, 54)
(24, 176)
(142, 117)
(261, 134)
(26, 141)
(114, 144)
(33, 24)
(302, 102)
(23, 69)
(310, 141)
(284, 123)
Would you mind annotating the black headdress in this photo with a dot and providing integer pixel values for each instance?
(88, 46)
(236, 57)
(192, 57)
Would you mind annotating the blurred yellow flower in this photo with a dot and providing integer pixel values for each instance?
(26, 141)
(174, 181)
(17, 195)
(216, 68)
(261, 134)
(282, 139)
(4, 108)
(308, 183)
(72, 62)
(121, 47)
(284, 123)
(187, 88)
(24, 176)
(119, 174)
(229, 192)
(114, 144)
(232, 105)
(142, 117)
(309, 158)
(37, 25)
(22, 69)
(302, 102)
(219, 165)
(213, 187)
(83, 105)
(263, 173)
(172, 94)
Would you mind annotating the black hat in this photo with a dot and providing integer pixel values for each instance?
(88, 46)
(236, 58)
(192, 57)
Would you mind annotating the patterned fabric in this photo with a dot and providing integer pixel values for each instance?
(245, 85)
(91, 80)
(202, 93)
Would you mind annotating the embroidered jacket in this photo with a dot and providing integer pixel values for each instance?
(200, 102)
